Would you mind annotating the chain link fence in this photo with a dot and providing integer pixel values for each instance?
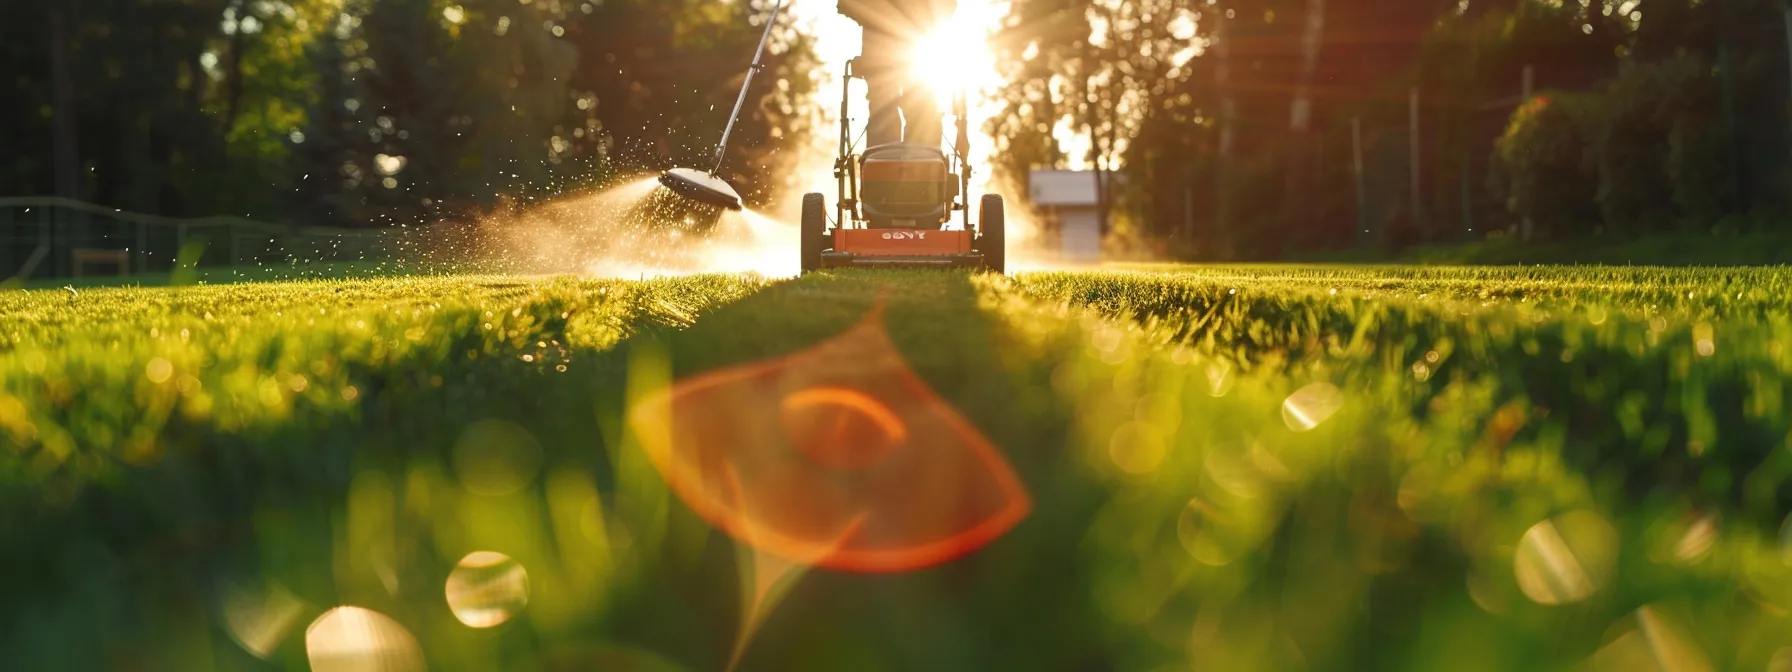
(49, 237)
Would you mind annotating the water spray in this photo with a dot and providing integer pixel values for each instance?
(707, 187)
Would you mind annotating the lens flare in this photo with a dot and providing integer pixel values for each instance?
(880, 474)
(841, 428)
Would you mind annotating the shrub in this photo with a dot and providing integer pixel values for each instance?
(1660, 146)
(1539, 166)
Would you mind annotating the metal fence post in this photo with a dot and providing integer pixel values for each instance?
(1526, 88)
(1362, 190)
(9, 239)
(58, 260)
(1418, 220)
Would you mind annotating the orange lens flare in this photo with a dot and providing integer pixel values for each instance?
(838, 456)
(841, 428)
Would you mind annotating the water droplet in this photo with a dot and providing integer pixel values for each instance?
(487, 588)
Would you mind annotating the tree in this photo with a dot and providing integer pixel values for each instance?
(379, 111)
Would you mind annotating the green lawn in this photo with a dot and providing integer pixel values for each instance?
(1246, 467)
(266, 272)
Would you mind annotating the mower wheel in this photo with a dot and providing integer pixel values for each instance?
(814, 231)
(992, 240)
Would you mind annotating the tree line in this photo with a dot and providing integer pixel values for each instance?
(374, 112)
(1239, 128)
(1259, 128)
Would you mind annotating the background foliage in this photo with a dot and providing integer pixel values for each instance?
(371, 112)
(1238, 124)
(1677, 110)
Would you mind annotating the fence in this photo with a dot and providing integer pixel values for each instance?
(1439, 190)
(50, 237)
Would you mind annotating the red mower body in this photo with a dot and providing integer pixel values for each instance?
(901, 247)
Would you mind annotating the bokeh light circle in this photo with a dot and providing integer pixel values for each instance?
(1567, 558)
(1311, 405)
(259, 617)
(496, 457)
(353, 639)
(1136, 447)
(487, 588)
(1209, 534)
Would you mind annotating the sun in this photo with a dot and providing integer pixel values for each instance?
(955, 58)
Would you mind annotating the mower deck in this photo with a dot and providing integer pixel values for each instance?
(832, 259)
(901, 247)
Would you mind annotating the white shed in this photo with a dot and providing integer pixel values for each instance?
(1069, 221)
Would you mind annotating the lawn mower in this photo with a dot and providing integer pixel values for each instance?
(895, 198)
(894, 202)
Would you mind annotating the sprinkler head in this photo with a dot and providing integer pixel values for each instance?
(701, 187)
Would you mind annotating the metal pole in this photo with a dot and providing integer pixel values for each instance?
(1362, 198)
(1788, 18)
(722, 147)
(1526, 87)
(1468, 215)
(1188, 214)
(7, 238)
(1413, 113)
(1729, 93)
(842, 163)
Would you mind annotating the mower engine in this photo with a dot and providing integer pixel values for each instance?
(906, 186)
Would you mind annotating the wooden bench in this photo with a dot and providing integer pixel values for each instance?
(82, 258)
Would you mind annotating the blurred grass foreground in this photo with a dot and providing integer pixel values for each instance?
(1230, 468)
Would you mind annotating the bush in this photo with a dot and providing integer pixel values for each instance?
(1540, 169)
(1661, 148)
